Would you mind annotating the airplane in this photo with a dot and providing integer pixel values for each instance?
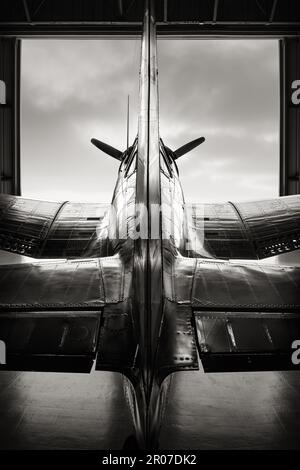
(148, 285)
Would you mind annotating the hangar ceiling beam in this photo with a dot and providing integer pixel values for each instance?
(216, 5)
(165, 11)
(27, 12)
(273, 10)
(38, 7)
(176, 18)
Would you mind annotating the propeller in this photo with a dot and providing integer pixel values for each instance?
(108, 149)
(188, 147)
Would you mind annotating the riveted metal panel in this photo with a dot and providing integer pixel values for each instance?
(219, 229)
(50, 341)
(52, 284)
(250, 286)
(245, 230)
(232, 341)
(176, 347)
(118, 347)
(48, 229)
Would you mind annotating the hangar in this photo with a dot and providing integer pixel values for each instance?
(122, 19)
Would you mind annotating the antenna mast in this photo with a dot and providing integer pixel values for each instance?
(127, 121)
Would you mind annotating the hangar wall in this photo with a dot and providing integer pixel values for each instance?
(10, 52)
(289, 116)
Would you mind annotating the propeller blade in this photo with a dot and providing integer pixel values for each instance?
(113, 152)
(188, 147)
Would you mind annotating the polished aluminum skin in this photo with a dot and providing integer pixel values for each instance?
(151, 284)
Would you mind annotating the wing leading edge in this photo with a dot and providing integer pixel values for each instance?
(247, 230)
(45, 229)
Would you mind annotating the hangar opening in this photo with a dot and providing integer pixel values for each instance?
(226, 90)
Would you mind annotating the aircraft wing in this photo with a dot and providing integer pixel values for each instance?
(247, 230)
(45, 229)
(52, 314)
(245, 316)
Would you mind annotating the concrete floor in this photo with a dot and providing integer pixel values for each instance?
(72, 411)
(257, 410)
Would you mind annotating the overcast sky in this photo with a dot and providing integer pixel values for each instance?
(224, 90)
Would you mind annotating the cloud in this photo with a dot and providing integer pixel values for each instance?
(224, 90)
(228, 92)
(78, 91)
